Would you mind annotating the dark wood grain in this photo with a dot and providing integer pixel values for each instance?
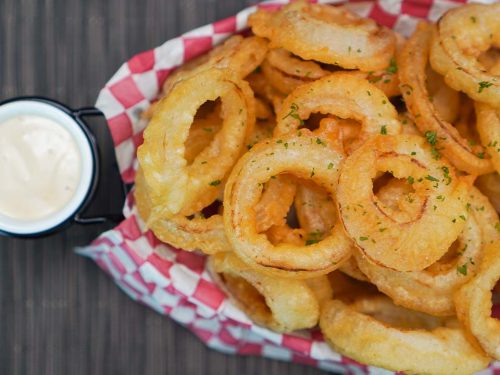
(59, 314)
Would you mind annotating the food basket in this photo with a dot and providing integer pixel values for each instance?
(175, 282)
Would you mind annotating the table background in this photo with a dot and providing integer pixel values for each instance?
(59, 314)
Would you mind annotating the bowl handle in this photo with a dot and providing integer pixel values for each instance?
(119, 188)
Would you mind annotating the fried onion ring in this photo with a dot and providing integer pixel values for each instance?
(331, 35)
(431, 290)
(283, 305)
(403, 246)
(462, 35)
(175, 187)
(306, 156)
(239, 54)
(374, 331)
(341, 95)
(473, 303)
(442, 135)
(197, 233)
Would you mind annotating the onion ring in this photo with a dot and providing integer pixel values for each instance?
(374, 331)
(175, 187)
(342, 95)
(442, 135)
(286, 72)
(331, 35)
(430, 290)
(305, 156)
(283, 305)
(462, 35)
(473, 303)
(239, 54)
(197, 233)
(403, 246)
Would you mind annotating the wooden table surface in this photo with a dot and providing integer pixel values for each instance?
(59, 314)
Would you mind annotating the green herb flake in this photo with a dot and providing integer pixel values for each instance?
(330, 166)
(410, 180)
(215, 183)
(383, 130)
(473, 19)
(483, 85)
(462, 269)
(294, 114)
(393, 67)
(431, 178)
(363, 238)
(431, 137)
(319, 141)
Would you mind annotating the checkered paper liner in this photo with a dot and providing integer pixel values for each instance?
(175, 282)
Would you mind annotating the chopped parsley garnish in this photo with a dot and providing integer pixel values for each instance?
(431, 137)
(473, 19)
(432, 140)
(215, 183)
(319, 141)
(497, 226)
(447, 176)
(393, 67)
(383, 130)
(480, 155)
(483, 85)
(314, 237)
(462, 269)
(293, 113)
(363, 238)
(410, 180)
(431, 178)
(330, 166)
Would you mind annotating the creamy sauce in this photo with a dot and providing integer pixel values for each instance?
(40, 167)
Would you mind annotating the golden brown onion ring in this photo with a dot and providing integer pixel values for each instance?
(285, 72)
(374, 331)
(442, 135)
(342, 95)
(306, 156)
(175, 187)
(403, 246)
(294, 66)
(462, 35)
(331, 35)
(430, 290)
(473, 303)
(197, 233)
(283, 305)
(238, 54)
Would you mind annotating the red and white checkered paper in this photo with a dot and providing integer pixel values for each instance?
(175, 282)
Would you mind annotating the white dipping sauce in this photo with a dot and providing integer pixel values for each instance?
(40, 167)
